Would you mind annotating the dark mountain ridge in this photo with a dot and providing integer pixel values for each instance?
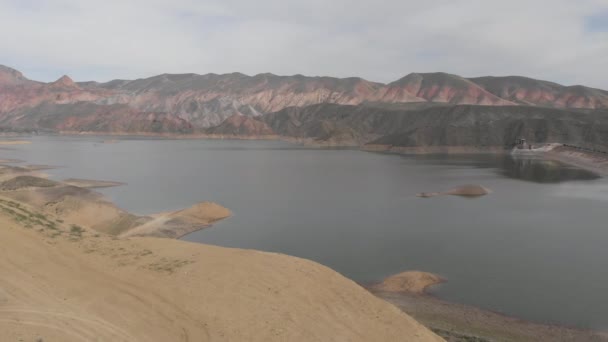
(420, 109)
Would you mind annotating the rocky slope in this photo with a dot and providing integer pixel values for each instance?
(18, 93)
(191, 103)
(446, 88)
(241, 125)
(527, 91)
(431, 129)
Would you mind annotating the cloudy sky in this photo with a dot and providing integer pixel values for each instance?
(381, 40)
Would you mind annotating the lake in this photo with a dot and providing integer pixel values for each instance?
(534, 248)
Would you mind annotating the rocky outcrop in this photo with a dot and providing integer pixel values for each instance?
(10, 76)
(435, 129)
(90, 117)
(65, 82)
(243, 126)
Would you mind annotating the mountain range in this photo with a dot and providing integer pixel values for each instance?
(420, 109)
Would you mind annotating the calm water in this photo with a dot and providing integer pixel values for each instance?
(535, 248)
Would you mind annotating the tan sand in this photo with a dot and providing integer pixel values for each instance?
(91, 183)
(65, 284)
(409, 281)
(179, 223)
(39, 167)
(82, 206)
(14, 142)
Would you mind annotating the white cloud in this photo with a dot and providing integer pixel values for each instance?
(378, 40)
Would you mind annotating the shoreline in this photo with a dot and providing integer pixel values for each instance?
(437, 302)
(582, 159)
(69, 283)
(579, 158)
(454, 321)
(462, 322)
(72, 280)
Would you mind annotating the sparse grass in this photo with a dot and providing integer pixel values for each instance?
(167, 265)
(55, 234)
(76, 231)
(456, 337)
(145, 252)
(29, 219)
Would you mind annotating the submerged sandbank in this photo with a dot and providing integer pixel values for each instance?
(464, 191)
(91, 183)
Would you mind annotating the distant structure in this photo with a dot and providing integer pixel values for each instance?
(520, 143)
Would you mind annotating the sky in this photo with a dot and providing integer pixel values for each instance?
(564, 41)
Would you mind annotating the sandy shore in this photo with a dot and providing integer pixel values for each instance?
(14, 142)
(453, 321)
(91, 183)
(70, 273)
(458, 322)
(61, 283)
(76, 203)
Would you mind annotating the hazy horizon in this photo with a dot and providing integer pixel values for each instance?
(378, 41)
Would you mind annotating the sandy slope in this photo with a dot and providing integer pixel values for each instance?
(85, 286)
(77, 204)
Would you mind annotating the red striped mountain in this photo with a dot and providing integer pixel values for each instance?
(194, 103)
(18, 92)
(445, 88)
(528, 91)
